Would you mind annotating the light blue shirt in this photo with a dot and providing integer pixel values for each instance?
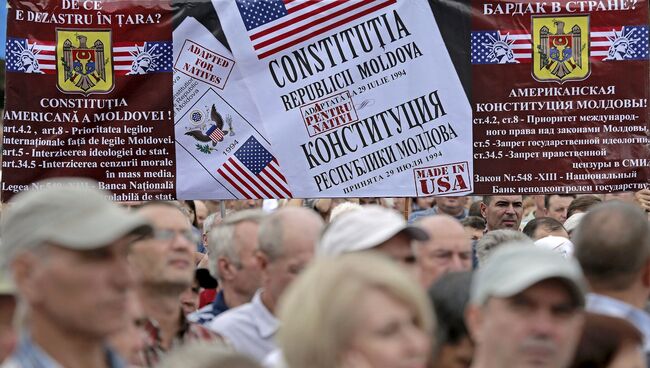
(613, 307)
(249, 328)
(30, 355)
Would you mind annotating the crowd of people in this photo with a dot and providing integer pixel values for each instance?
(503, 281)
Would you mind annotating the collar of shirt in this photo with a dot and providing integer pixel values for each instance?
(613, 307)
(219, 304)
(265, 321)
(30, 355)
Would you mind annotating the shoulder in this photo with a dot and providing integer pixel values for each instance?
(239, 316)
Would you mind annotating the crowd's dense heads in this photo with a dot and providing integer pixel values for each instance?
(553, 281)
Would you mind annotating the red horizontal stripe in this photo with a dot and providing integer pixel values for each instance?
(303, 4)
(306, 26)
(325, 29)
(293, 20)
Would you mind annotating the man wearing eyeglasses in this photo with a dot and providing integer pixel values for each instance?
(164, 268)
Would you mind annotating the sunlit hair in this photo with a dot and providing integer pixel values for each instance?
(320, 310)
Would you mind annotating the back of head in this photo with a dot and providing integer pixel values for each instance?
(449, 296)
(612, 244)
(207, 355)
(222, 241)
(496, 238)
(549, 224)
(327, 297)
(582, 204)
(287, 226)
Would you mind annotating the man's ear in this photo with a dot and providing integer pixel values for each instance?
(225, 268)
(484, 210)
(262, 260)
(645, 274)
(474, 321)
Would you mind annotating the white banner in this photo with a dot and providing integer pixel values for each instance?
(359, 98)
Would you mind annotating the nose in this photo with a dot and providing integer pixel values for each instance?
(456, 263)
(543, 323)
(182, 243)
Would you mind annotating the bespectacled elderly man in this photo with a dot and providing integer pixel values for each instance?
(526, 309)
(67, 246)
(164, 268)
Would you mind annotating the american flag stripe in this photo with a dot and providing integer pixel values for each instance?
(268, 184)
(233, 182)
(254, 182)
(216, 135)
(309, 22)
(598, 42)
(122, 57)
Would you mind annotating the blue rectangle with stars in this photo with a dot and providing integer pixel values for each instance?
(256, 13)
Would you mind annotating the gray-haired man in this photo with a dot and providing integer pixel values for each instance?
(67, 248)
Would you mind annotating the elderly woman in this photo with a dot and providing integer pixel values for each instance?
(356, 310)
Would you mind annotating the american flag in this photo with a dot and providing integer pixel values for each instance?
(600, 40)
(122, 55)
(275, 25)
(254, 172)
(215, 134)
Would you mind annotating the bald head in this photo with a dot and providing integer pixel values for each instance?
(287, 241)
(447, 250)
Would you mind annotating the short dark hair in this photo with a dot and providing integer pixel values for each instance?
(475, 209)
(547, 198)
(612, 244)
(548, 222)
(582, 204)
(475, 222)
(449, 296)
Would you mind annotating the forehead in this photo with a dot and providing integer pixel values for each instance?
(162, 216)
(505, 200)
(559, 200)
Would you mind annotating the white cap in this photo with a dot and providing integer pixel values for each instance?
(364, 229)
(558, 244)
(513, 269)
(572, 222)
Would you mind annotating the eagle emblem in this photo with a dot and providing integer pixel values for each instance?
(209, 133)
(561, 48)
(84, 68)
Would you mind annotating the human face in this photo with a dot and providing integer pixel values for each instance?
(386, 335)
(281, 272)
(503, 212)
(447, 250)
(539, 327)
(558, 207)
(131, 340)
(201, 213)
(165, 261)
(452, 206)
(81, 292)
(457, 355)
(246, 274)
(190, 298)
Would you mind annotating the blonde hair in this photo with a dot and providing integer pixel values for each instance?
(319, 312)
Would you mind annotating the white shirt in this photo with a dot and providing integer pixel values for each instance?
(249, 328)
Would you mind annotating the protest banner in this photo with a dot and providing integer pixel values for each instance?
(327, 99)
(560, 96)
